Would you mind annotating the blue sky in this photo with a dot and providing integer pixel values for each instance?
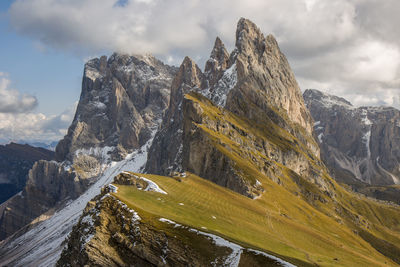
(346, 48)
(54, 77)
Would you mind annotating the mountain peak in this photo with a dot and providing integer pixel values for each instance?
(189, 73)
(219, 58)
(247, 34)
(217, 63)
(325, 99)
(246, 26)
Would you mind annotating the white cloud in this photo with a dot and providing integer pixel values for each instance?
(35, 127)
(12, 101)
(375, 61)
(351, 47)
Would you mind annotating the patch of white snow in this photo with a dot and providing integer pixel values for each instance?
(320, 137)
(42, 245)
(152, 186)
(233, 259)
(220, 91)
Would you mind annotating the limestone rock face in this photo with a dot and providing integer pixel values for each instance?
(122, 101)
(218, 145)
(216, 64)
(47, 185)
(266, 85)
(15, 162)
(357, 144)
(121, 97)
(254, 82)
(203, 157)
(165, 153)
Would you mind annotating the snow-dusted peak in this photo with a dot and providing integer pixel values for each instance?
(325, 99)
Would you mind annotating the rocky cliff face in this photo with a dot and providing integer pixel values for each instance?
(15, 162)
(121, 105)
(265, 80)
(254, 81)
(165, 154)
(121, 99)
(356, 143)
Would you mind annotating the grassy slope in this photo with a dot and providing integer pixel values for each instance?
(278, 222)
(284, 221)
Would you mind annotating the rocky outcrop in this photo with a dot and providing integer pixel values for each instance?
(122, 102)
(121, 99)
(48, 184)
(165, 155)
(15, 162)
(218, 145)
(109, 233)
(265, 79)
(357, 144)
(253, 82)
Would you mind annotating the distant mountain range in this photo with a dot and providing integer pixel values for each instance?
(359, 145)
(47, 145)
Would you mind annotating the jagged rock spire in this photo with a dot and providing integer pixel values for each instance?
(188, 78)
(216, 64)
(219, 58)
(265, 78)
(165, 155)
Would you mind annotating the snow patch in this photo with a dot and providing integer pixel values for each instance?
(394, 178)
(366, 138)
(284, 263)
(220, 91)
(233, 259)
(92, 74)
(170, 222)
(152, 186)
(112, 188)
(42, 245)
(320, 137)
(98, 105)
(329, 101)
(97, 152)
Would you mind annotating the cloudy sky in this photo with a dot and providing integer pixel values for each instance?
(347, 48)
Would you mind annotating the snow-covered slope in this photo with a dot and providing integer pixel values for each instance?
(43, 245)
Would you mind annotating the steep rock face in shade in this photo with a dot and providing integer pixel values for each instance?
(357, 144)
(121, 104)
(165, 154)
(15, 162)
(255, 82)
(48, 184)
(121, 97)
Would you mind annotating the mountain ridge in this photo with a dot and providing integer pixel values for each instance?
(357, 142)
(238, 135)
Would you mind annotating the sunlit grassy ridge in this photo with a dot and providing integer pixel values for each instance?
(277, 222)
(294, 218)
